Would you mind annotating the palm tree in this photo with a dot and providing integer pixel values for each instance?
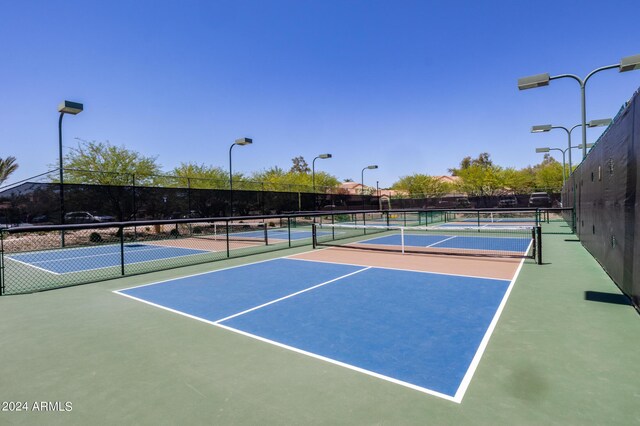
(7, 166)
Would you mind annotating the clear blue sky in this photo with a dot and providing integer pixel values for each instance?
(413, 86)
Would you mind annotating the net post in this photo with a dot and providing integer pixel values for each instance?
(121, 229)
(478, 213)
(265, 225)
(364, 222)
(535, 244)
(289, 228)
(227, 237)
(333, 231)
(314, 234)
(539, 243)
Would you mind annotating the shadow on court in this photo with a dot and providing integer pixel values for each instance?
(616, 299)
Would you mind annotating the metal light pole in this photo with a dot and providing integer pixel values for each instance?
(73, 108)
(313, 169)
(628, 63)
(373, 166)
(564, 165)
(549, 127)
(563, 151)
(241, 141)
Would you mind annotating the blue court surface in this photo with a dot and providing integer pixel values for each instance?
(422, 330)
(502, 244)
(64, 261)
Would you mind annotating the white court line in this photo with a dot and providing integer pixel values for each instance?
(33, 266)
(464, 384)
(292, 294)
(193, 275)
(397, 269)
(99, 255)
(340, 363)
(145, 261)
(291, 348)
(442, 241)
(466, 380)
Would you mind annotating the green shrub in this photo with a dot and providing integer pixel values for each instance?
(174, 233)
(197, 230)
(95, 237)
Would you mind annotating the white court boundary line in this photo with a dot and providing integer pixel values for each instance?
(195, 275)
(292, 348)
(464, 383)
(33, 265)
(217, 323)
(340, 363)
(397, 269)
(466, 380)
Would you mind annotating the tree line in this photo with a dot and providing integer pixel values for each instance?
(481, 177)
(93, 162)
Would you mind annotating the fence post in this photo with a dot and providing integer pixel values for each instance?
(265, 225)
(1, 262)
(227, 227)
(188, 197)
(314, 235)
(121, 229)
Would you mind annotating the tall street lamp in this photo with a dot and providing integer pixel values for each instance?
(313, 169)
(373, 166)
(73, 108)
(628, 63)
(549, 127)
(241, 141)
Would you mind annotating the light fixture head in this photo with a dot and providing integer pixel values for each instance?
(244, 141)
(599, 123)
(540, 150)
(589, 145)
(533, 81)
(630, 63)
(541, 128)
(323, 156)
(68, 107)
(372, 167)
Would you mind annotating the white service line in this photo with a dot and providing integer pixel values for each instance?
(442, 241)
(291, 295)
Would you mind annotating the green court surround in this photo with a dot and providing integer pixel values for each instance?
(556, 357)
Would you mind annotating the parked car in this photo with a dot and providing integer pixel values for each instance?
(508, 201)
(539, 199)
(85, 217)
(41, 220)
(463, 203)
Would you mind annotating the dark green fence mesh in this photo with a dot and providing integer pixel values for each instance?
(604, 191)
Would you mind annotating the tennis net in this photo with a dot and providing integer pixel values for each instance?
(522, 241)
(493, 218)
